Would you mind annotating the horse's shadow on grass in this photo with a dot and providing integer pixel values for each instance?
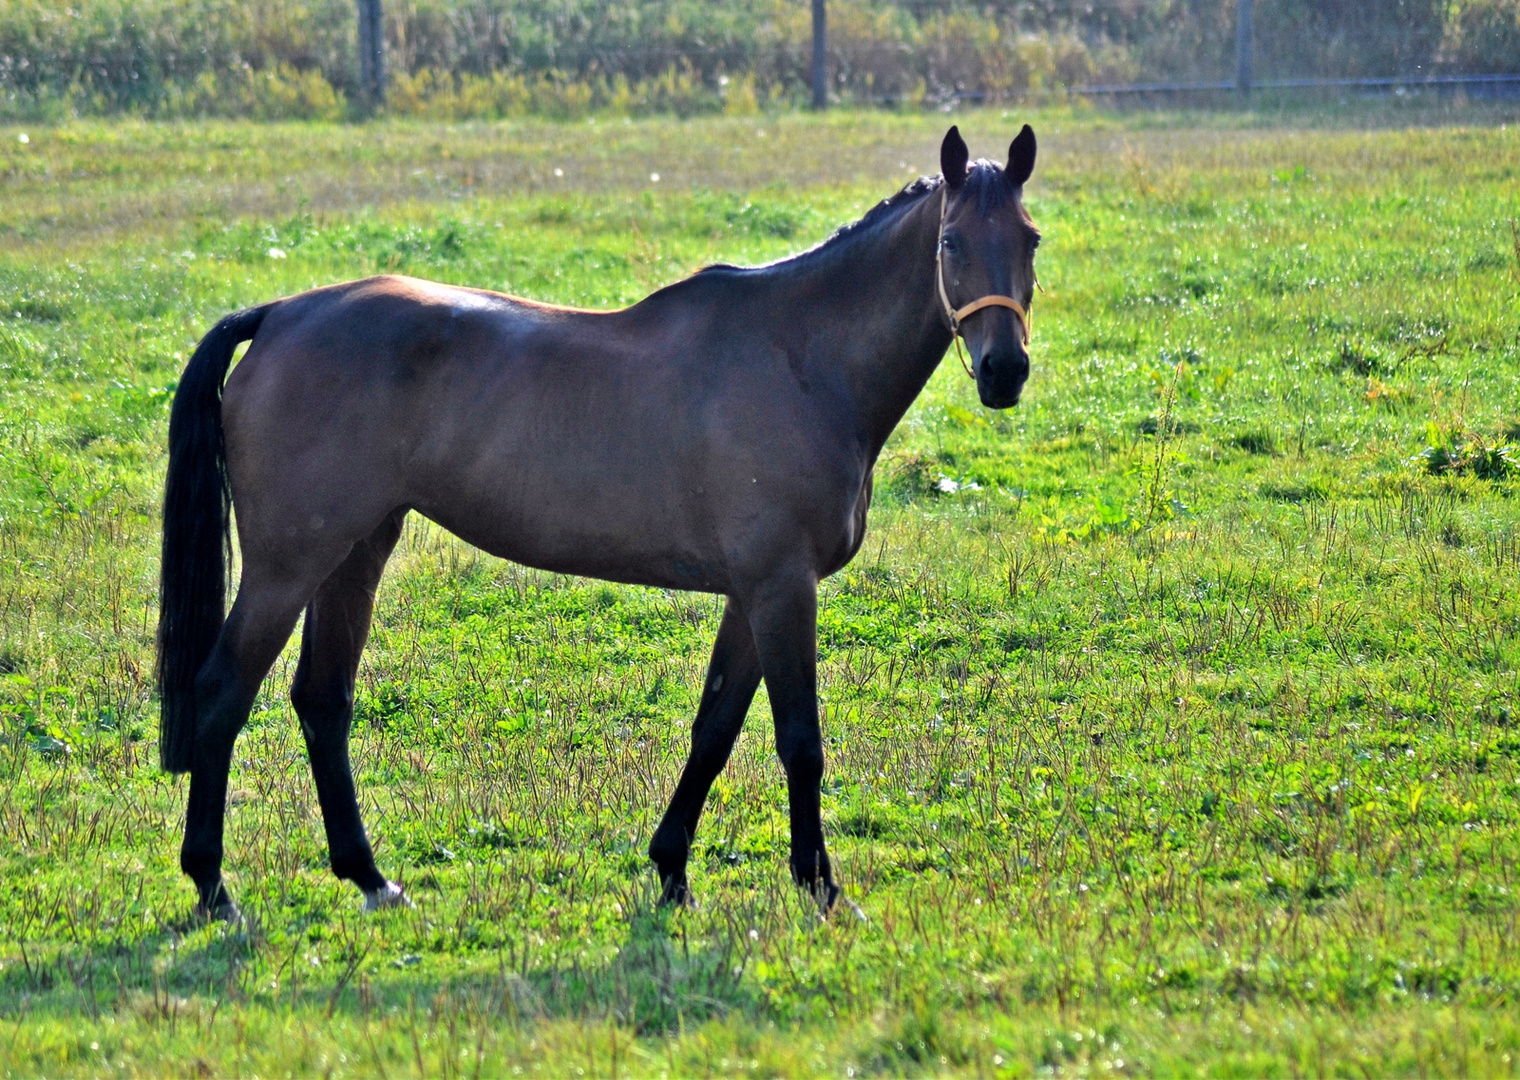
(660, 978)
(165, 965)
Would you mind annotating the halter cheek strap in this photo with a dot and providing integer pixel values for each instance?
(955, 316)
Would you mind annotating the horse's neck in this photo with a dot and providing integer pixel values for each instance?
(886, 330)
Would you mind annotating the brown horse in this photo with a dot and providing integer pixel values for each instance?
(717, 436)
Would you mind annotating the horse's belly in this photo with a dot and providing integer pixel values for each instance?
(612, 539)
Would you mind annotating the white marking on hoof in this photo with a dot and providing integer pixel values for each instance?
(388, 897)
(853, 907)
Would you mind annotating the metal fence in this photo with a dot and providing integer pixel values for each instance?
(1502, 85)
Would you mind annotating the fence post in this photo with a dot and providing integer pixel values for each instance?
(371, 53)
(1243, 47)
(820, 56)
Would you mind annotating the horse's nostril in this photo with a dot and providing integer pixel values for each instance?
(1000, 365)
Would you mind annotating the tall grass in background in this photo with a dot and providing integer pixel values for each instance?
(495, 58)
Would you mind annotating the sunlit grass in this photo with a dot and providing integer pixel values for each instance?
(1169, 716)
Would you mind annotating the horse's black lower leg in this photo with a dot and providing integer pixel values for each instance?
(256, 629)
(783, 615)
(337, 626)
(732, 676)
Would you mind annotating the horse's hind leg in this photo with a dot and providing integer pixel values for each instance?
(256, 630)
(337, 625)
(732, 676)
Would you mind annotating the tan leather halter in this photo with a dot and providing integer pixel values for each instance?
(957, 316)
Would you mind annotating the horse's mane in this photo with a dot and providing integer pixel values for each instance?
(984, 180)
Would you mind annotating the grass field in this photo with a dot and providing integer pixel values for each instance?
(1171, 717)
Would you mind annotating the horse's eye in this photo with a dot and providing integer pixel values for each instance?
(950, 244)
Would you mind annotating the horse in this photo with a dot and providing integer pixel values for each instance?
(718, 436)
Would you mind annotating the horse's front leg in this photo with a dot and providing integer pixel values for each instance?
(783, 615)
(732, 677)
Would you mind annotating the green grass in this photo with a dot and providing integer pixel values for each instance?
(1171, 717)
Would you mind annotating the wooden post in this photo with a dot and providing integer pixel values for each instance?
(1243, 47)
(820, 56)
(371, 53)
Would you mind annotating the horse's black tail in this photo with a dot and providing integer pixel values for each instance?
(197, 551)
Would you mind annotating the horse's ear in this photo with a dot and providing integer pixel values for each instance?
(1021, 157)
(953, 156)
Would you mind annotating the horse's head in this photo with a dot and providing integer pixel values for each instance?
(986, 263)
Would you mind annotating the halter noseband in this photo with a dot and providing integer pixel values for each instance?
(956, 316)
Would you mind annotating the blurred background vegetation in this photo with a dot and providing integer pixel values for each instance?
(494, 58)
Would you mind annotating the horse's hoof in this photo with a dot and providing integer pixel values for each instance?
(676, 893)
(223, 911)
(390, 895)
(825, 894)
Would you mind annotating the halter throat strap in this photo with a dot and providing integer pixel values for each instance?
(955, 316)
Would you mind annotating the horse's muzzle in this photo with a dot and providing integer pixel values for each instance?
(1000, 378)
